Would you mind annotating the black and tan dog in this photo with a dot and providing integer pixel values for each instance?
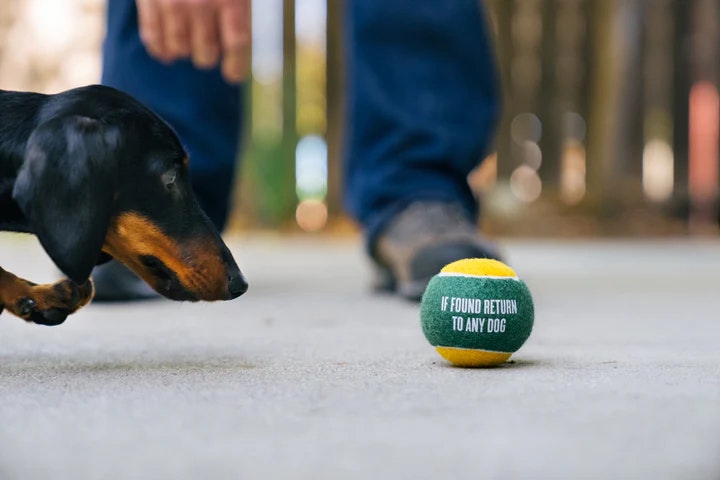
(95, 175)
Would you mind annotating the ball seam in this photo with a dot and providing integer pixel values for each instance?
(470, 275)
(472, 349)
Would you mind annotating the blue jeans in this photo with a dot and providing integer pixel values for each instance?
(422, 97)
(203, 110)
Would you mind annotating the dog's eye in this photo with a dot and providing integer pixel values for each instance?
(168, 178)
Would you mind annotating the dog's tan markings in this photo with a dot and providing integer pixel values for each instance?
(198, 265)
(27, 299)
(12, 288)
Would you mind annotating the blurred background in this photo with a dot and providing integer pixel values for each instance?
(610, 126)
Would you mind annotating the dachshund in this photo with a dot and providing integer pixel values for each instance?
(96, 175)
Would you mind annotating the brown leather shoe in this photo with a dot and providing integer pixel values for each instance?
(422, 239)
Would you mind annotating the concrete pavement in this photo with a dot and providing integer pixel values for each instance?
(310, 376)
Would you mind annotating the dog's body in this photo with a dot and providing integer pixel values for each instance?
(95, 174)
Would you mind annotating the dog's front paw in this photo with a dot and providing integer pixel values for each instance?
(49, 304)
(28, 309)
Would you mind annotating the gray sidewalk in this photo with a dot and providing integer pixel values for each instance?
(310, 376)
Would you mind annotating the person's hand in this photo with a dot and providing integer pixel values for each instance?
(207, 31)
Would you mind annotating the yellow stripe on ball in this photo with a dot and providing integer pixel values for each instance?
(465, 357)
(482, 267)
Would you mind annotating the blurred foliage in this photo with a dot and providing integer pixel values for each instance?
(311, 90)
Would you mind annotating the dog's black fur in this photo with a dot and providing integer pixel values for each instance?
(94, 174)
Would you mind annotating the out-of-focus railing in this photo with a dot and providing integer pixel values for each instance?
(610, 124)
(611, 116)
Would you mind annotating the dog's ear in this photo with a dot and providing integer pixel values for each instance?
(66, 186)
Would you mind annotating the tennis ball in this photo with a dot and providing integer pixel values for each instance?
(476, 312)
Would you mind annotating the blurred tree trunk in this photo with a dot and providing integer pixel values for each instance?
(550, 107)
(631, 102)
(286, 198)
(603, 135)
(681, 89)
(335, 103)
(502, 14)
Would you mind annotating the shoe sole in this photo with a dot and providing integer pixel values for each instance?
(385, 281)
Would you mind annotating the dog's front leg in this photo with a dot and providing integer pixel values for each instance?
(46, 304)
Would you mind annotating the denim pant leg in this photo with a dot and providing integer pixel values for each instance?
(423, 102)
(202, 108)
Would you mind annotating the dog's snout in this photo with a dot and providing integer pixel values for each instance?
(237, 284)
(236, 281)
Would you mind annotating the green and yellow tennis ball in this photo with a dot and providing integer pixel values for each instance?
(476, 312)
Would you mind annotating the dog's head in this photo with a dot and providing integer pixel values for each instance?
(112, 179)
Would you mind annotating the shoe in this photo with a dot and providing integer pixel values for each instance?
(422, 239)
(114, 282)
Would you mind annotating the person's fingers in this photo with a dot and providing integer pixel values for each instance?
(234, 67)
(151, 31)
(235, 35)
(204, 37)
(176, 27)
(172, 29)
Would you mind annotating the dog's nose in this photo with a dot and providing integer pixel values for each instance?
(237, 284)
